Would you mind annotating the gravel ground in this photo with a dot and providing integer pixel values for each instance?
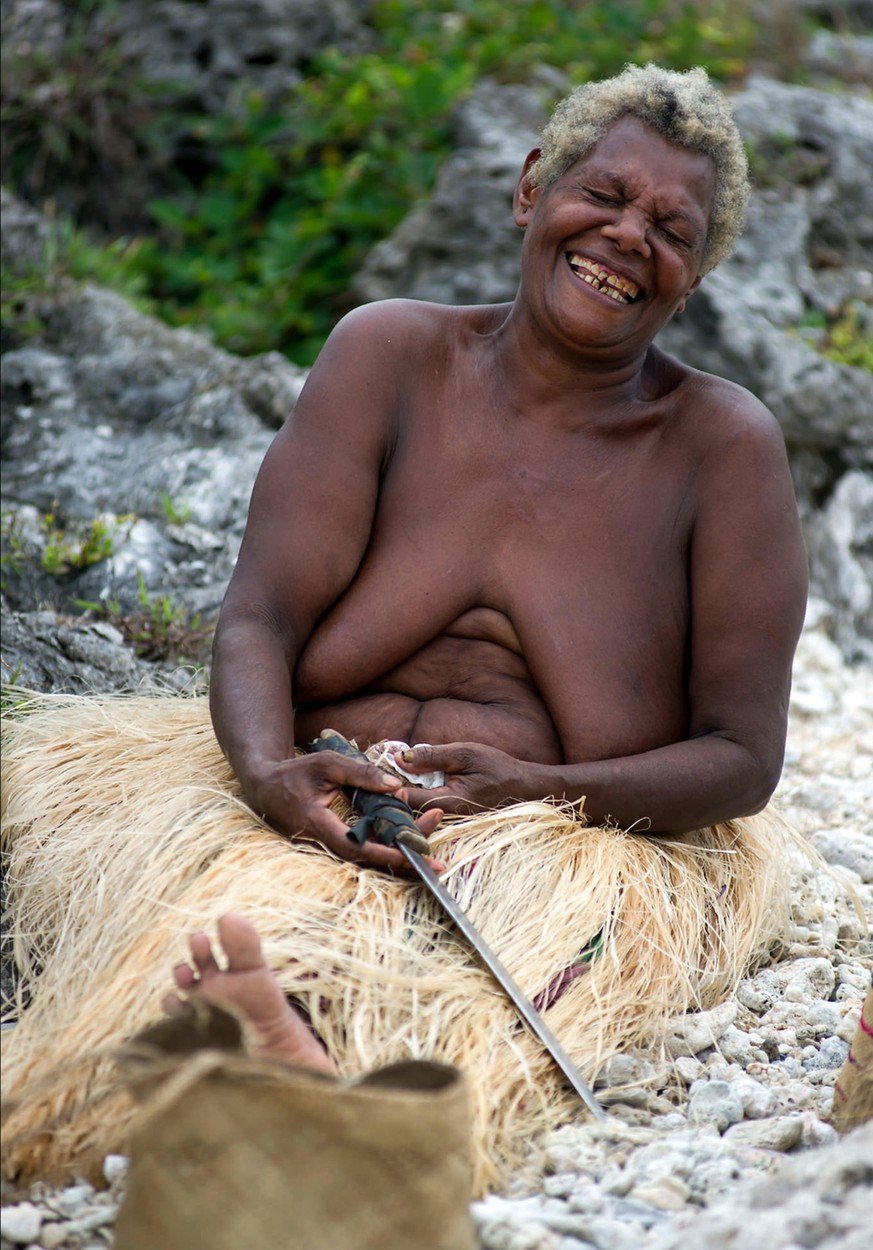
(695, 1151)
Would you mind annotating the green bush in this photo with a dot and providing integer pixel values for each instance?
(262, 249)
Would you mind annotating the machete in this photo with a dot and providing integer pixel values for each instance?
(391, 821)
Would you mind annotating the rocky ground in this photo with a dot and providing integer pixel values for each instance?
(722, 1142)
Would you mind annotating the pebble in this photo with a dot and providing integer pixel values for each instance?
(21, 1223)
(831, 1054)
(777, 1133)
(667, 1194)
(690, 1034)
(714, 1102)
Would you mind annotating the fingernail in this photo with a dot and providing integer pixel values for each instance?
(388, 780)
(408, 756)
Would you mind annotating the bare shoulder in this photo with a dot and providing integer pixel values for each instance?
(393, 327)
(727, 423)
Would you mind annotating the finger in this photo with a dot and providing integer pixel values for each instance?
(429, 820)
(448, 803)
(422, 800)
(333, 834)
(201, 952)
(451, 758)
(172, 1005)
(184, 976)
(342, 771)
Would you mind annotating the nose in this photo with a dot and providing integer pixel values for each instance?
(628, 231)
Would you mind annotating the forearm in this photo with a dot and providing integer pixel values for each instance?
(250, 696)
(673, 789)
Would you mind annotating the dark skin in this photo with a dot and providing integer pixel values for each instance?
(524, 535)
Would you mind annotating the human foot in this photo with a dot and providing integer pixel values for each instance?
(247, 986)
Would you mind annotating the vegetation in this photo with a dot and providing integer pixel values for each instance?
(60, 548)
(846, 338)
(261, 245)
(160, 629)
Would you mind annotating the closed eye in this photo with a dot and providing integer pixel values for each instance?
(601, 196)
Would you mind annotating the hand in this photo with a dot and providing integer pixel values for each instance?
(477, 777)
(295, 795)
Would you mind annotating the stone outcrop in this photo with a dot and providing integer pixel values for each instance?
(129, 452)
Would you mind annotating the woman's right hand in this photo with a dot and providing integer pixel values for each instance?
(295, 797)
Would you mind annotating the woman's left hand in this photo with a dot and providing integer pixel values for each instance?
(477, 777)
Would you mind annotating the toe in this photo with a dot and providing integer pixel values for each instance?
(240, 942)
(184, 976)
(201, 953)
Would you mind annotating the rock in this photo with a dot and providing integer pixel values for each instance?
(806, 979)
(736, 1046)
(716, 1103)
(758, 1100)
(687, 1068)
(844, 56)
(46, 652)
(115, 1168)
(21, 1223)
(831, 1054)
(667, 1194)
(847, 848)
(816, 1132)
(464, 248)
(116, 413)
(840, 541)
(690, 1034)
(776, 1133)
(25, 235)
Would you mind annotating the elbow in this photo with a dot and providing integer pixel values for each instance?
(761, 786)
(239, 626)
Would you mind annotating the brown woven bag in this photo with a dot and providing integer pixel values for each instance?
(230, 1152)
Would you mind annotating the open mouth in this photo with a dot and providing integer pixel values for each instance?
(604, 280)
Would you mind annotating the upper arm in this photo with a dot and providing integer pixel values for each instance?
(314, 498)
(748, 575)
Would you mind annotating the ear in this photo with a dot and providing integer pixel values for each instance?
(694, 285)
(526, 195)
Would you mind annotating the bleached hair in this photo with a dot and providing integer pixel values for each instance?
(685, 108)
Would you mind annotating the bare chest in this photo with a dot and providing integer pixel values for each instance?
(497, 565)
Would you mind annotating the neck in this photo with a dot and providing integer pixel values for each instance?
(547, 377)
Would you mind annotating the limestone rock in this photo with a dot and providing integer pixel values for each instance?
(114, 412)
(690, 1034)
(21, 1223)
(716, 1103)
(778, 1133)
(47, 652)
(461, 246)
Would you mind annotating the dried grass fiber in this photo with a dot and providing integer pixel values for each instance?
(125, 829)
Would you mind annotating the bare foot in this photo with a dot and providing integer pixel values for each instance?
(248, 986)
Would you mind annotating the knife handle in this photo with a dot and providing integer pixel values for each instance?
(384, 817)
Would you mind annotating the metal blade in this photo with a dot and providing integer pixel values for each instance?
(523, 1005)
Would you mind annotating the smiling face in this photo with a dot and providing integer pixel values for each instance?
(613, 247)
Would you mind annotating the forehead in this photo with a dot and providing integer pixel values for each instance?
(639, 157)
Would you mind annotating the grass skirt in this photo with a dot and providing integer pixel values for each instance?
(124, 829)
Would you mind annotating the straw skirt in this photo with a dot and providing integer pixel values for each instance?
(124, 829)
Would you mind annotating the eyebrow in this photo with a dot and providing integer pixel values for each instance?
(623, 188)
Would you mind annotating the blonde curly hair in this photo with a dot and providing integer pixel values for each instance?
(685, 108)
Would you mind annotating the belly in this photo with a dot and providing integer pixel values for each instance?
(454, 689)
